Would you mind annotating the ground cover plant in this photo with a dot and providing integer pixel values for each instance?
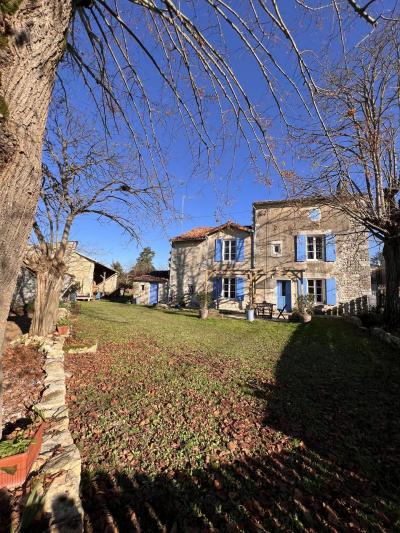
(228, 425)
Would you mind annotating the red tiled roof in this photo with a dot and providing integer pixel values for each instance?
(199, 234)
(194, 234)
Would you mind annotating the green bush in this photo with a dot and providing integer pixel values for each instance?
(305, 304)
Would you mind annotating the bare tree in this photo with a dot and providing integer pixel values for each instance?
(356, 157)
(81, 176)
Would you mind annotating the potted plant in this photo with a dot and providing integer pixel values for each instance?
(63, 326)
(204, 303)
(18, 455)
(304, 309)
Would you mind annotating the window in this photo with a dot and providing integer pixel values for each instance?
(229, 287)
(229, 251)
(314, 214)
(315, 247)
(316, 289)
(142, 287)
(191, 289)
(277, 248)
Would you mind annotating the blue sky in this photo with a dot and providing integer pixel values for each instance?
(231, 187)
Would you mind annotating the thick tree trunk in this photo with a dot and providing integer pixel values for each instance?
(28, 61)
(48, 290)
(391, 254)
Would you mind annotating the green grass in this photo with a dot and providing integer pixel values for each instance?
(232, 425)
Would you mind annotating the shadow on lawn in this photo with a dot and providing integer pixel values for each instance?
(338, 395)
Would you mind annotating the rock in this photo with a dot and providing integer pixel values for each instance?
(59, 457)
(62, 313)
(89, 349)
(356, 321)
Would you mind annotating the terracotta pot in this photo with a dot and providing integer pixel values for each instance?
(203, 313)
(63, 330)
(15, 469)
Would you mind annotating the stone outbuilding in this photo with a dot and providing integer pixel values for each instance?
(150, 289)
(88, 274)
(91, 276)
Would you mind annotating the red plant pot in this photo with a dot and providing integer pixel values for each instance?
(15, 469)
(63, 330)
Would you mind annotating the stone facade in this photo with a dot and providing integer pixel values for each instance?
(282, 223)
(82, 270)
(293, 248)
(194, 265)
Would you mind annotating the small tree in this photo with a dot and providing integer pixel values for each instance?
(144, 263)
(81, 176)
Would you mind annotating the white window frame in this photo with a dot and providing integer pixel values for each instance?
(227, 246)
(273, 252)
(314, 238)
(231, 283)
(313, 282)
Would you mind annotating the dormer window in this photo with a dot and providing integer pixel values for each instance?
(229, 250)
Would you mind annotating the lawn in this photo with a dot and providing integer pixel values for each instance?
(189, 425)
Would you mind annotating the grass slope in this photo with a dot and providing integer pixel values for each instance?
(234, 426)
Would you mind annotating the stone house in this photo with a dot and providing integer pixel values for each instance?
(150, 289)
(307, 247)
(214, 259)
(293, 248)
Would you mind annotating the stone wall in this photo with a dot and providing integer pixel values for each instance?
(82, 269)
(191, 262)
(25, 290)
(57, 470)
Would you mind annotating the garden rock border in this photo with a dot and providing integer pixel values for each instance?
(84, 349)
(385, 336)
(379, 333)
(59, 459)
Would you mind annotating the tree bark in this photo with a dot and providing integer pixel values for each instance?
(391, 254)
(28, 61)
(48, 289)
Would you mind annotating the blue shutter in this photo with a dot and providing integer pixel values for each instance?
(302, 287)
(331, 291)
(240, 289)
(218, 250)
(288, 297)
(217, 288)
(239, 249)
(330, 247)
(300, 248)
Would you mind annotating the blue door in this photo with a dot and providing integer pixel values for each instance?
(153, 293)
(284, 295)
